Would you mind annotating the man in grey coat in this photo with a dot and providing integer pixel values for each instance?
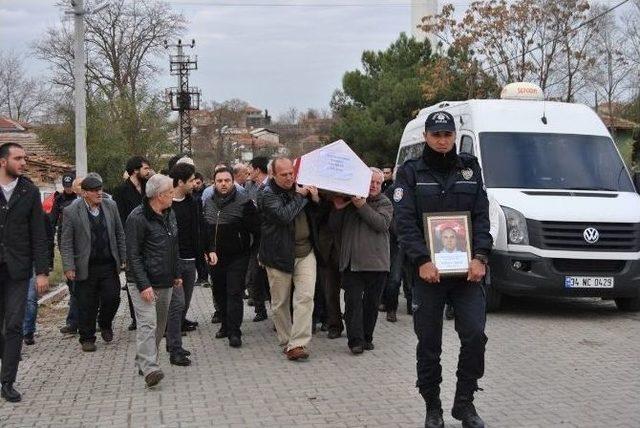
(364, 259)
(93, 253)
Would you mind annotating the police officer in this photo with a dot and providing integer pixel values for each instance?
(444, 181)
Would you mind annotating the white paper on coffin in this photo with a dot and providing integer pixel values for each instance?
(335, 167)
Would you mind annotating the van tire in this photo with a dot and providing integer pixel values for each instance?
(629, 304)
(492, 296)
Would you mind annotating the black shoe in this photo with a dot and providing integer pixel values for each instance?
(382, 307)
(187, 327)
(140, 373)
(391, 316)
(334, 334)
(183, 352)
(434, 414)
(28, 339)
(133, 326)
(215, 319)
(67, 329)
(154, 378)
(107, 335)
(251, 302)
(88, 347)
(221, 334)
(10, 394)
(260, 316)
(449, 313)
(189, 322)
(369, 346)
(324, 327)
(464, 411)
(355, 350)
(179, 359)
(235, 341)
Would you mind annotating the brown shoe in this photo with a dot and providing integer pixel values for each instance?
(297, 354)
(154, 378)
(88, 346)
(391, 316)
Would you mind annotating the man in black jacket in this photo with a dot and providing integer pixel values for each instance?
(287, 249)
(443, 181)
(152, 259)
(60, 202)
(128, 196)
(187, 211)
(23, 247)
(231, 224)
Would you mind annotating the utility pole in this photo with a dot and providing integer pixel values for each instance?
(183, 98)
(80, 82)
(79, 93)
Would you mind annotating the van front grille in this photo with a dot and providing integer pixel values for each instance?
(551, 235)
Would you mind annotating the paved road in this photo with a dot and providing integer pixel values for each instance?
(549, 363)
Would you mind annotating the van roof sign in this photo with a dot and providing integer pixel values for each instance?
(522, 91)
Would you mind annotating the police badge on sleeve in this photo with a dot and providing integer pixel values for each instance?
(397, 194)
(467, 173)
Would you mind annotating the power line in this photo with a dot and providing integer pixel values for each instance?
(572, 30)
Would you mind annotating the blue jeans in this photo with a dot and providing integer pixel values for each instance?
(31, 310)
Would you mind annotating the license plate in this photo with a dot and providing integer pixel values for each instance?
(588, 282)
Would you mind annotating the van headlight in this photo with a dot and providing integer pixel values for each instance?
(516, 227)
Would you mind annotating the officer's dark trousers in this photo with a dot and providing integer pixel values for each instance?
(100, 289)
(13, 301)
(228, 277)
(257, 282)
(330, 277)
(428, 304)
(361, 298)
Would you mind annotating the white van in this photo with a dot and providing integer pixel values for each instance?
(565, 215)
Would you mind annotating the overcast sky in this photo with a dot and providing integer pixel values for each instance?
(271, 53)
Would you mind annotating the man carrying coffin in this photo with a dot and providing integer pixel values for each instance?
(442, 181)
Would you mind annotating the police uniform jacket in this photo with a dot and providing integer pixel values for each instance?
(422, 189)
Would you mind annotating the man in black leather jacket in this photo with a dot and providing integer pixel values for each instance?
(152, 261)
(287, 250)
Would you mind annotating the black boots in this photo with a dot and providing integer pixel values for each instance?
(434, 409)
(10, 394)
(464, 411)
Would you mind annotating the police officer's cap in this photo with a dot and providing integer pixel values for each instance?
(67, 179)
(440, 121)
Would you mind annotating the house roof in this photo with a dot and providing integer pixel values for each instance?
(10, 125)
(617, 122)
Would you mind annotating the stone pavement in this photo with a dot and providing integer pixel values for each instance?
(549, 363)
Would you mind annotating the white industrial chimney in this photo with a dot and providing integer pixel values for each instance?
(419, 9)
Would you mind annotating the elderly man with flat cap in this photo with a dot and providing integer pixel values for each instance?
(441, 181)
(93, 253)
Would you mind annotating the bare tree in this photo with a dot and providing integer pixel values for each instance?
(21, 97)
(289, 117)
(122, 42)
(613, 67)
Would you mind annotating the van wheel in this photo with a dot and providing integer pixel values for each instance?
(493, 297)
(630, 304)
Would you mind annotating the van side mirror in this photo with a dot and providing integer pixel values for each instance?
(636, 181)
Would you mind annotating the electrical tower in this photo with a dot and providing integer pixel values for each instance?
(183, 98)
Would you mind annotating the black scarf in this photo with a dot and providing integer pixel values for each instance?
(441, 162)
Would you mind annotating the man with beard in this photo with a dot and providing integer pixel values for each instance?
(128, 196)
(93, 260)
(230, 222)
(23, 248)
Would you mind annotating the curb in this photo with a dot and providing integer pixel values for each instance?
(55, 295)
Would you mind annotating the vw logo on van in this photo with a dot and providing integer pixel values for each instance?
(591, 235)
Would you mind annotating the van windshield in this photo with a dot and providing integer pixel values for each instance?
(552, 161)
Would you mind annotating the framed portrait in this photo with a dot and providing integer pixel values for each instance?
(448, 237)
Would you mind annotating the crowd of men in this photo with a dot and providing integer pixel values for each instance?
(252, 229)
